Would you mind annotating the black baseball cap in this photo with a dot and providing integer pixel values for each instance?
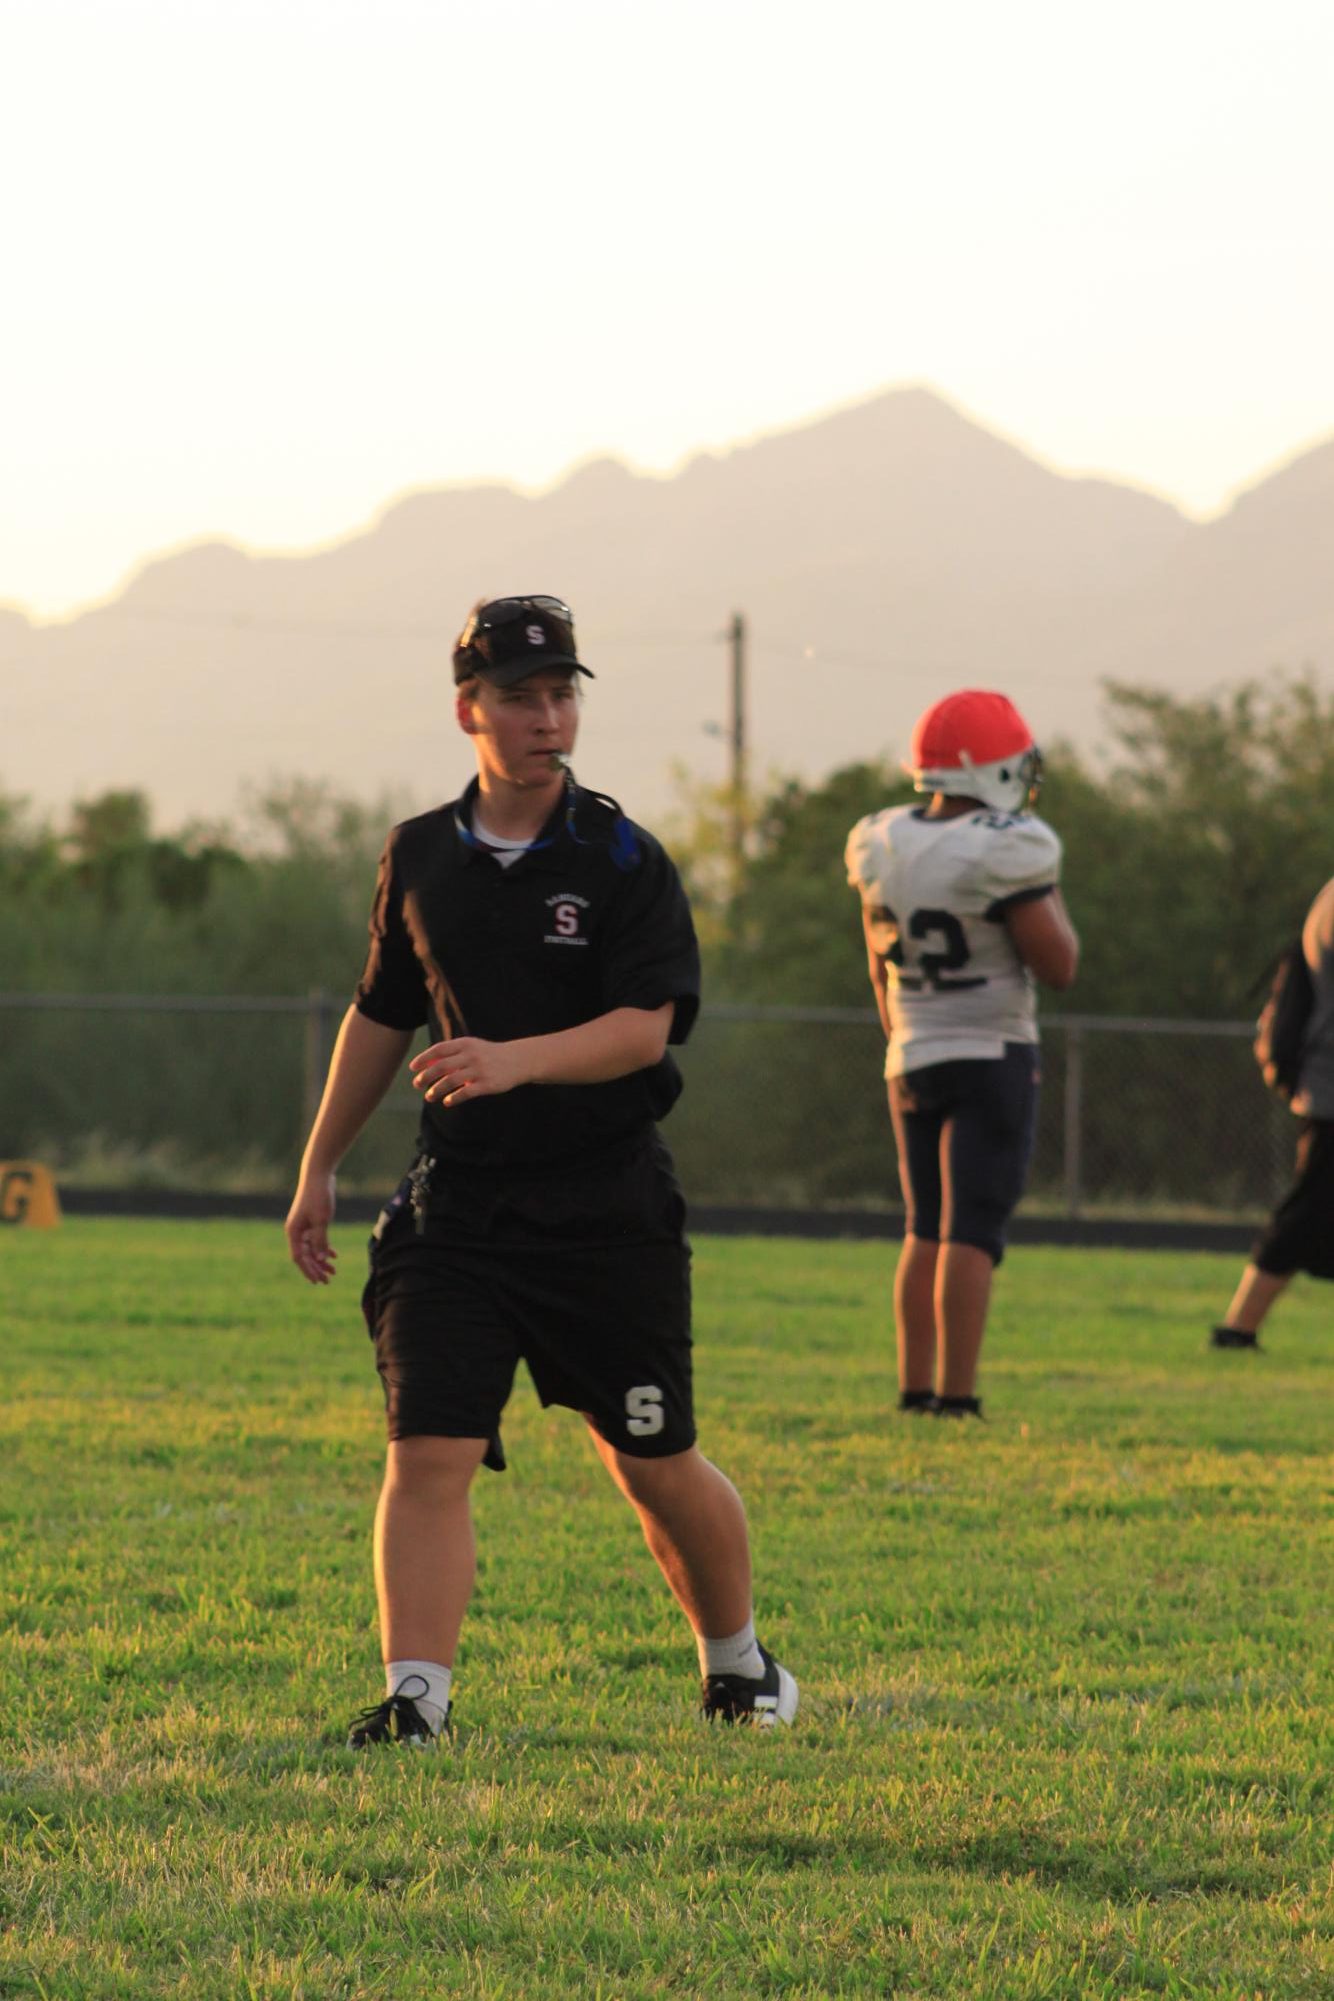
(507, 639)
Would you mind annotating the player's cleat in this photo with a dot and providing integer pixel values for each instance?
(396, 1720)
(919, 1402)
(1233, 1337)
(739, 1698)
(956, 1406)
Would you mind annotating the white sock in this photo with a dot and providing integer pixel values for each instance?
(738, 1655)
(425, 1683)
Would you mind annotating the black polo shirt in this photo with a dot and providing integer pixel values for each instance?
(592, 917)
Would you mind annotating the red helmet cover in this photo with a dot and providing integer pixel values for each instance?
(976, 721)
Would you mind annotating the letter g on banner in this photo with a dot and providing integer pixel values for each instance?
(15, 1194)
(27, 1196)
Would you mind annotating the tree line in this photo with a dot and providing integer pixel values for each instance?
(1194, 837)
(1194, 841)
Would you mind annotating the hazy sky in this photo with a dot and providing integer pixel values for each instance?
(268, 264)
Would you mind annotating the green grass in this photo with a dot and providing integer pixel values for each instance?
(1065, 1676)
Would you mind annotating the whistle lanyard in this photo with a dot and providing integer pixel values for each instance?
(566, 826)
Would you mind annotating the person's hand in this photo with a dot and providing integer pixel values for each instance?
(449, 1072)
(307, 1229)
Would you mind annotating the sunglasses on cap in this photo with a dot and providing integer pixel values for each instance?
(507, 639)
(508, 611)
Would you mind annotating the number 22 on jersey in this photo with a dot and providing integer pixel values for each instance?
(943, 954)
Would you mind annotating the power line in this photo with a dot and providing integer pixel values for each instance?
(250, 622)
(438, 634)
(916, 663)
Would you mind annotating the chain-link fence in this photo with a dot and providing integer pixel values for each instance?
(784, 1107)
(1136, 1116)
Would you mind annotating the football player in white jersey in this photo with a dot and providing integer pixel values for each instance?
(962, 913)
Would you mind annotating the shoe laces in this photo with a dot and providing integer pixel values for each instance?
(400, 1712)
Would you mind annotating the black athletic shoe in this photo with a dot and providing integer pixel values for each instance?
(1233, 1337)
(956, 1406)
(396, 1720)
(919, 1402)
(737, 1698)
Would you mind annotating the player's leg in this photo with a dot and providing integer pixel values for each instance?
(606, 1330)
(963, 1296)
(446, 1364)
(605, 1322)
(425, 1549)
(917, 1139)
(915, 1318)
(1297, 1237)
(695, 1527)
(1255, 1294)
(987, 1144)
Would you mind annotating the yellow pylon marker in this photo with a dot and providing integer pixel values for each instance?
(27, 1196)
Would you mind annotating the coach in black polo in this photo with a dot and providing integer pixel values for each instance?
(545, 942)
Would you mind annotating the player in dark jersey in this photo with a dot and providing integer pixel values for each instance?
(1299, 1235)
(546, 943)
(961, 910)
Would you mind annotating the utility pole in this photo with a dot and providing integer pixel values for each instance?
(736, 639)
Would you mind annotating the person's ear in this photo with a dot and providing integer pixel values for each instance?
(465, 714)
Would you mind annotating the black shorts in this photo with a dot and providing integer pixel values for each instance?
(965, 1138)
(1299, 1236)
(584, 1276)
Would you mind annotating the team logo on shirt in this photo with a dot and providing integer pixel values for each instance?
(565, 908)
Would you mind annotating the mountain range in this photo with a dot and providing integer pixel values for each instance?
(880, 556)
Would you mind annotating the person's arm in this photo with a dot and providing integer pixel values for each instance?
(365, 1059)
(612, 1045)
(1045, 939)
(880, 935)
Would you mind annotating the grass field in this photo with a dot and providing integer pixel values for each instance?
(1066, 1676)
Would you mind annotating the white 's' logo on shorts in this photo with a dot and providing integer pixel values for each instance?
(644, 1416)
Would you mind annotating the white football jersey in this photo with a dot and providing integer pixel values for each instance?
(939, 888)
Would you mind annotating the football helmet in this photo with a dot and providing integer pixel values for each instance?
(975, 744)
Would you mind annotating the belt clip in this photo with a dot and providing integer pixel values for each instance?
(419, 1181)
